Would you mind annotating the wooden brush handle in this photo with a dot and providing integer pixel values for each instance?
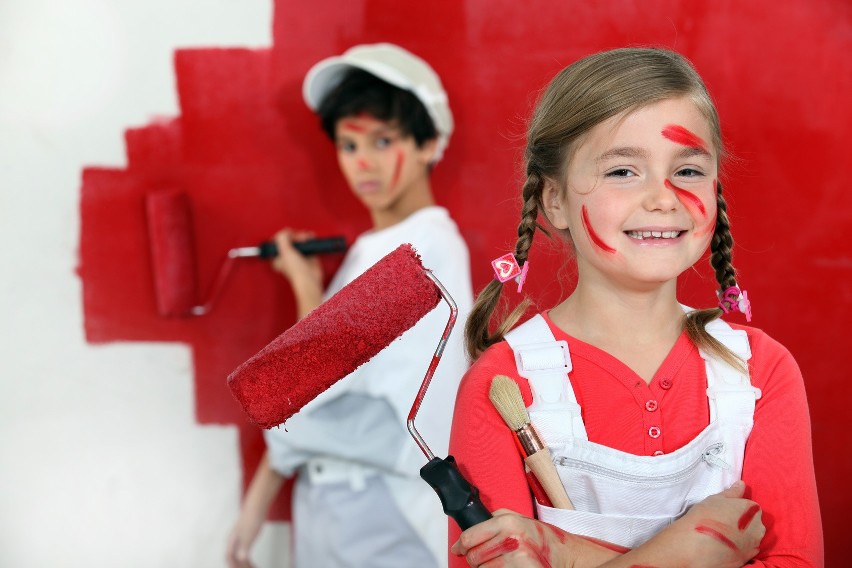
(541, 464)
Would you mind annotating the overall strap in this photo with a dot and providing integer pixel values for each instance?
(545, 363)
(729, 390)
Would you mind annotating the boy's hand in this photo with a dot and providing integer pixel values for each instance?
(303, 272)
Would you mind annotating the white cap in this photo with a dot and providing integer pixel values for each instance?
(393, 65)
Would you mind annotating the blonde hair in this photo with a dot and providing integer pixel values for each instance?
(581, 96)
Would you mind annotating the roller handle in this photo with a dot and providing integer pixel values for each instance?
(326, 245)
(459, 498)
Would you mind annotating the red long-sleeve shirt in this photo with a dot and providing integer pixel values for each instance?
(778, 465)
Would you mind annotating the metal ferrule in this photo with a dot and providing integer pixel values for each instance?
(529, 439)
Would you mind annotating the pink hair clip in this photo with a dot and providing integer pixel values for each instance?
(507, 268)
(735, 300)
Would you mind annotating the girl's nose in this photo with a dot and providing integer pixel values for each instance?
(362, 164)
(661, 195)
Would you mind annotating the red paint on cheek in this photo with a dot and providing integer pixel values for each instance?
(397, 169)
(592, 235)
(717, 535)
(748, 516)
(681, 135)
(688, 198)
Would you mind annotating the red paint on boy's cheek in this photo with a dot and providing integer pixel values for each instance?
(397, 170)
(717, 535)
(692, 201)
(681, 135)
(594, 236)
(748, 516)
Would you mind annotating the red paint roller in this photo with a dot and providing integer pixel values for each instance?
(173, 255)
(342, 334)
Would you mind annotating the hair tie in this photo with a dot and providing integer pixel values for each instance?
(735, 300)
(507, 268)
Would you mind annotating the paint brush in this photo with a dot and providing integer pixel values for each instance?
(507, 399)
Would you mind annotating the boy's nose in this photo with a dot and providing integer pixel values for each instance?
(362, 164)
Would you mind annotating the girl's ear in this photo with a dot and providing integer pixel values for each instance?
(555, 208)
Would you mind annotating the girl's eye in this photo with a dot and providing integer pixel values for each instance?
(621, 172)
(690, 173)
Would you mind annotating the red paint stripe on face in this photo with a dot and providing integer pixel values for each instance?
(748, 516)
(347, 125)
(681, 135)
(688, 198)
(397, 169)
(717, 535)
(362, 164)
(592, 235)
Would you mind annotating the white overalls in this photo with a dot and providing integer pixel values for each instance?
(624, 498)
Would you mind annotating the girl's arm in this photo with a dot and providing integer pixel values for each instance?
(723, 531)
(778, 467)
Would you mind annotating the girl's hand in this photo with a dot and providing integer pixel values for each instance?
(512, 540)
(724, 529)
(241, 540)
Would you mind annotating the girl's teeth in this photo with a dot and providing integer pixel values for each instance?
(653, 234)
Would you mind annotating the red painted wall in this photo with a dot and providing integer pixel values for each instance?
(253, 159)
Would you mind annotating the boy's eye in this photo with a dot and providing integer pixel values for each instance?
(620, 172)
(383, 141)
(346, 146)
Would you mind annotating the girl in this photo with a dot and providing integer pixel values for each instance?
(664, 408)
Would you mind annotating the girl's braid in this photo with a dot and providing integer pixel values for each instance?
(721, 245)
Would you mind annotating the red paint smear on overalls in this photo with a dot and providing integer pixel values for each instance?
(748, 516)
(397, 170)
(688, 198)
(681, 135)
(592, 235)
(717, 535)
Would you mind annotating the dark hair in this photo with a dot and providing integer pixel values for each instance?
(361, 92)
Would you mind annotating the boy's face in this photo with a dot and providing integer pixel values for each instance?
(385, 169)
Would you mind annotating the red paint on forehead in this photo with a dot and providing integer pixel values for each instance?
(594, 236)
(681, 135)
(717, 535)
(748, 516)
(353, 126)
(687, 197)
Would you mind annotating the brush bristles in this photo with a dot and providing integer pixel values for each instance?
(507, 399)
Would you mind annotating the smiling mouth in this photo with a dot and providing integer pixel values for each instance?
(642, 235)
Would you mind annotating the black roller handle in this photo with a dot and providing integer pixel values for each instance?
(459, 498)
(327, 245)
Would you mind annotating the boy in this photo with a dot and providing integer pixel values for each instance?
(358, 499)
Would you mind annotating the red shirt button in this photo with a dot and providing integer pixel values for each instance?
(659, 453)
(666, 383)
(651, 405)
(654, 432)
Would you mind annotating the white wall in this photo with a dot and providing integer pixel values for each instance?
(103, 464)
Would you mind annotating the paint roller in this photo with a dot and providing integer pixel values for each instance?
(173, 257)
(340, 335)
